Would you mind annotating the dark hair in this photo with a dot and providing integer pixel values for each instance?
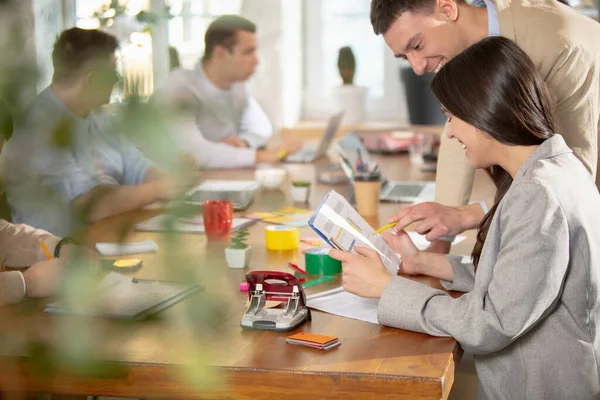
(75, 48)
(223, 32)
(494, 86)
(385, 12)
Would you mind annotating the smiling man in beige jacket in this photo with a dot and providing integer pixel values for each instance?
(563, 44)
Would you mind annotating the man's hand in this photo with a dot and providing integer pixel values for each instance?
(277, 154)
(402, 244)
(363, 274)
(43, 278)
(235, 141)
(435, 220)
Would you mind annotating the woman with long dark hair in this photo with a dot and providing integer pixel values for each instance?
(531, 311)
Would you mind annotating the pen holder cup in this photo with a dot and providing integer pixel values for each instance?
(367, 190)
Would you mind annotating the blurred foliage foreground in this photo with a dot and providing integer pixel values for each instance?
(93, 347)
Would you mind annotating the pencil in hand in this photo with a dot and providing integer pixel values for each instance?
(386, 227)
(43, 246)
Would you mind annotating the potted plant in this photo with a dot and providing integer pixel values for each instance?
(237, 254)
(349, 98)
(300, 191)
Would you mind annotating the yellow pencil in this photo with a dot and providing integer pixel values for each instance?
(44, 248)
(282, 154)
(383, 228)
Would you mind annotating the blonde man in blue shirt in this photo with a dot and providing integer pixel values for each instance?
(66, 164)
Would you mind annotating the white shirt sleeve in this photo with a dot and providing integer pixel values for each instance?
(255, 127)
(210, 154)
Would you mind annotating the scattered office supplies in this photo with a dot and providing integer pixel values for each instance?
(264, 286)
(318, 262)
(118, 296)
(319, 342)
(296, 268)
(396, 191)
(281, 238)
(289, 216)
(194, 224)
(313, 241)
(112, 249)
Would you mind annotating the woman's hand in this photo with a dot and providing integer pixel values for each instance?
(403, 245)
(363, 274)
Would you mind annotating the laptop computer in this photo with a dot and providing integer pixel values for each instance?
(394, 191)
(309, 155)
(240, 193)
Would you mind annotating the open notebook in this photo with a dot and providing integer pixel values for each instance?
(119, 296)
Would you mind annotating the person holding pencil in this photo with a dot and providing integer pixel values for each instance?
(22, 246)
(531, 300)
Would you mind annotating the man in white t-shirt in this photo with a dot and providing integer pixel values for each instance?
(218, 121)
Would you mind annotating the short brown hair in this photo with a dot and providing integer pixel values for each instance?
(223, 31)
(385, 12)
(77, 47)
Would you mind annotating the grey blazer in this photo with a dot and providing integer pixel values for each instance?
(532, 311)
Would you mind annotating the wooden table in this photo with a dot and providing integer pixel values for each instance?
(153, 359)
(314, 130)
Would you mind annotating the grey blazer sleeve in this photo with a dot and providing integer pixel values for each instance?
(463, 275)
(510, 295)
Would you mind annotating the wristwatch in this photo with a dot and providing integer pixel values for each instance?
(61, 243)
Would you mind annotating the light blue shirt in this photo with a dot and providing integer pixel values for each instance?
(55, 156)
(492, 11)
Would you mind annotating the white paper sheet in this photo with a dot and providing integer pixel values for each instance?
(339, 302)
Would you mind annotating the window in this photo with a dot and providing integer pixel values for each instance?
(191, 18)
(330, 25)
(184, 33)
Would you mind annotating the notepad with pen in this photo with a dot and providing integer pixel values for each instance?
(122, 297)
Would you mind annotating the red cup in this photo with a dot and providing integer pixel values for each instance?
(218, 217)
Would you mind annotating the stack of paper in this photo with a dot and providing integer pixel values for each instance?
(320, 342)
